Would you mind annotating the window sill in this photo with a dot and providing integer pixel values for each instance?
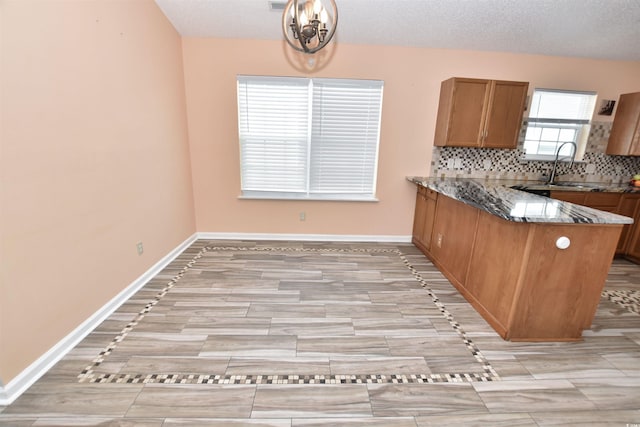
(305, 197)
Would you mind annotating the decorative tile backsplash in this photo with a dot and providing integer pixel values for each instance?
(491, 163)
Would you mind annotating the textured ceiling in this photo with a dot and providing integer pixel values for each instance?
(604, 29)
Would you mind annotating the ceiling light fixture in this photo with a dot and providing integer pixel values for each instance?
(307, 25)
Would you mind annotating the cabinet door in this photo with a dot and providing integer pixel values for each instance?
(627, 207)
(462, 111)
(495, 266)
(625, 132)
(604, 201)
(453, 236)
(504, 118)
(419, 216)
(576, 197)
(423, 217)
(429, 218)
(633, 249)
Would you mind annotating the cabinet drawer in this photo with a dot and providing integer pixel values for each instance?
(576, 197)
(602, 200)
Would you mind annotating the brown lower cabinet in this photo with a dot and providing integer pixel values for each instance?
(423, 217)
(513, 274)
(453, 234)
(630, 238)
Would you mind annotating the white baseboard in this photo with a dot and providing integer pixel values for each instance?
(305, 237)
(14, 388)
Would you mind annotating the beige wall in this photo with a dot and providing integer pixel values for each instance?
(412, 79)
(94, 158)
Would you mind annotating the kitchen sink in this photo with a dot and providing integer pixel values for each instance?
(544, 189)
(592, 187)
(540, 190)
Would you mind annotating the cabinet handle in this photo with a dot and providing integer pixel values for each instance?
(563, 242)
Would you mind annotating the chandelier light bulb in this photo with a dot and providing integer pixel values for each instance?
(317, 7)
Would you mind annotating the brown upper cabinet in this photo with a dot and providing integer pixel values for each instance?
(480, 113)
(625, 132)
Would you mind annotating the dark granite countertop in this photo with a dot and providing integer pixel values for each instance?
(497, 198)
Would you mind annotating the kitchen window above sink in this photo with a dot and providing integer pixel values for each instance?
(558, 117)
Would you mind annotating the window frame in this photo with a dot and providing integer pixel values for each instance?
(315, 188)
(580, 125)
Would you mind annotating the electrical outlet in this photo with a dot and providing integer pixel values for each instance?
(303, 216)
(450, 163)
(457, 163)
(140, 248)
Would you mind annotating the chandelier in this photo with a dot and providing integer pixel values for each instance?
(307, 25)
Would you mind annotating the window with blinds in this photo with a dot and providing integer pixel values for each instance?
(309, 138)
(555, 118)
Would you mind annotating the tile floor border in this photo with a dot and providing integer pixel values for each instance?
(89, 375)
(291, 379)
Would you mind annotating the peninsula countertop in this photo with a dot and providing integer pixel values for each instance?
(497, 198)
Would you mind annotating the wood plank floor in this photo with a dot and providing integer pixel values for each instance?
(237, 333)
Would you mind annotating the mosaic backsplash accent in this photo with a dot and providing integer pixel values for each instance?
(491, 163)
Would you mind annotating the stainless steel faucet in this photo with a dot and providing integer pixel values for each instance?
(552, 177)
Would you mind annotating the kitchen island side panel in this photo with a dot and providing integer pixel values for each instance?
(561, 288)
(496, 263)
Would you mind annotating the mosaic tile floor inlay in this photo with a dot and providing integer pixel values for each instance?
(627, 298)
(245, 275)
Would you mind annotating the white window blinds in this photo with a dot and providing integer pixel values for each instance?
(273, 123)
(548, 105)
(309, 138)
